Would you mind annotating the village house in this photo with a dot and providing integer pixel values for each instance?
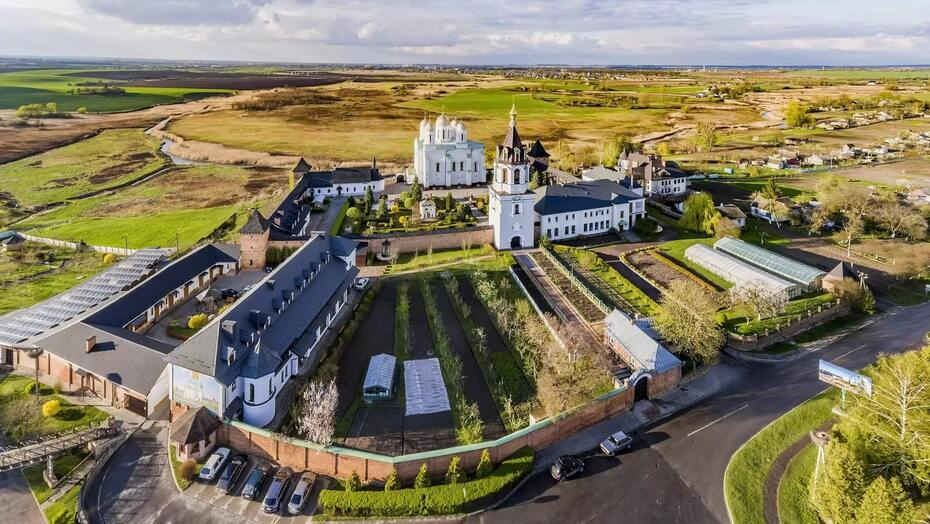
(659, 178)
(733, 213)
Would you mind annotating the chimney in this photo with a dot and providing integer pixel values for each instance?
(90, 343)
(231, 329)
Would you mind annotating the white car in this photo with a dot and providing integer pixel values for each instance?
(299, 497)
(361, 283)
(214, 464)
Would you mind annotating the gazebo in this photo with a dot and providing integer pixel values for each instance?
(194, 433)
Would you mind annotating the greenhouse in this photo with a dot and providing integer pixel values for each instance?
(740, 273)
(779, 265)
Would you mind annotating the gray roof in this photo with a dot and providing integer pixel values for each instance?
(538, 151)
(770, 261)
(194, 425)
(120, 356)
(255, 225)
(601, 173)
(261, 348)
(580, 196)
(344, 175)
(648, 352)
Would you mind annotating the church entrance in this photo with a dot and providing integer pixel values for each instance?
(516, 243)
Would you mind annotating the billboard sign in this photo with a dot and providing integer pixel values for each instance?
(195, 389)
(845, 379)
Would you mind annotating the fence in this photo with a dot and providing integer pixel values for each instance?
(792, 328)
(341, 462)
(100, 462)
(80, 245)
(581, 285)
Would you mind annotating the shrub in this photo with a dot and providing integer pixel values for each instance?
(197, 321)
(187, 470)
(390, 483)
(422, 480)
(82, 110)
(454, 473)
(354, 483)
(109, 258)
(30, 389)
(484, 465)
(437, 500)
(51, 408)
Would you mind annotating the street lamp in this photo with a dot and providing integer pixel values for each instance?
(34, 353)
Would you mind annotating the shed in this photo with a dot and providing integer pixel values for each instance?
(194, 433)
(379, 380)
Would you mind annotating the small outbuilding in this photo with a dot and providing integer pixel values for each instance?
(379, 380)
(194, 433)
(427, 209)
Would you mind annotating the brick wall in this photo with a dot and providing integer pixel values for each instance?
(757, 343)
(252, 250)
(335, 462)
(663, 382)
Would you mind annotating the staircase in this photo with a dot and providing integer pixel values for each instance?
(34, 452)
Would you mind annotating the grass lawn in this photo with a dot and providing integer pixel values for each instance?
(176, 467)
(184, 204)
(37, 272)
(744, 480)
(13, 398)
(411, 261)
(63, 510)
(62, 464)
(793, 495)
(675, 250)
(43, 86)
(108, 159)
(734, 319)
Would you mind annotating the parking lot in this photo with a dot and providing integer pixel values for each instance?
(239, 509)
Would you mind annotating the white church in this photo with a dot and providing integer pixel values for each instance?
(443, 156)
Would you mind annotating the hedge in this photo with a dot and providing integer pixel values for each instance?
(436, 500)
(336, 228)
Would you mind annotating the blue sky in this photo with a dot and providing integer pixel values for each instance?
(736, 32)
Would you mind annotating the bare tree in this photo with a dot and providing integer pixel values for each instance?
(849, 204)
(316, 419)
(898, 218)
(756, 298)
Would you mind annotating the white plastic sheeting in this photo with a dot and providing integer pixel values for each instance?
(424, 388)
(740, 273)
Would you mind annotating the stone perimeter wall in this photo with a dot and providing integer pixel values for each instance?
(341, 462)
(408, 243)
(756, 343)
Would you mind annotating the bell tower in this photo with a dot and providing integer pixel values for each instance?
(510, 201)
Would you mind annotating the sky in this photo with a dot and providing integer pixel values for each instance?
(487, 32)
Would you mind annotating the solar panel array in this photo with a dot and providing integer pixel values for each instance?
(26, 323)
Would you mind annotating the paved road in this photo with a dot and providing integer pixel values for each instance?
(676, 474)
(16, 502)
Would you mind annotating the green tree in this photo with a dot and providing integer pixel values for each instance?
(354, 213)
(354, 483)
(705, 136)
(699, 213)
(663, 149)
(610, 152)
(485, 466)
(885, 502)
(454, 473)
(687, 319)
(369, 199)
(449, 203)
(416, 190)
(51, 108)
(410, 202)
(838, 488)
(29, 111)
(796, 115)
(390, 483)
(422, 480)
(82, 110)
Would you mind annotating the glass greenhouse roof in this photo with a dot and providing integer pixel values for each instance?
(772, 262)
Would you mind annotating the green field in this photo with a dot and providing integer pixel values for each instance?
(793, 495)
(183, 205)
(675, 249)
(36, 272)
(43, 86)
(106, 160)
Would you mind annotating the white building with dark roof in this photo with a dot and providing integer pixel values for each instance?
(659, 178)
(236, 365)
(587, 209)
(344, 181)
(443, 156)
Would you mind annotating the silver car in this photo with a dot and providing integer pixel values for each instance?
(276, 490)
(214, 464)
(616, 443)
(299, 497)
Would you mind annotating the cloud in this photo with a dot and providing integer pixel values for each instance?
(178, 12)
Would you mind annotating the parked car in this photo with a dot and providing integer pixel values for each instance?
(361, 283)
(299, 497)
(231, 474)
(616, 443)
(253, 484)
(276, 490)
(228, 293)
(566, 466)
(214, 464)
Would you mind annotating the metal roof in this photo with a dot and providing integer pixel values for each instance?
(772, 262)
(736, 271)
(380, 372)
(424, 388)
(580, 196)
(648, 352)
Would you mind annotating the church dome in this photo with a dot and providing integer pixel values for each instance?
(442, 121)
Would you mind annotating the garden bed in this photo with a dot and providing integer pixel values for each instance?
(586, 308)
(613, 288)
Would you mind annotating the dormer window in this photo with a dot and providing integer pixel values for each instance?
(230, 355)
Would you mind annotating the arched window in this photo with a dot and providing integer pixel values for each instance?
(516, 176)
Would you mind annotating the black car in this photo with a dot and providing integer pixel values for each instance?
(231, 474)
(566, 466)
(253, 485)
(228, 293)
